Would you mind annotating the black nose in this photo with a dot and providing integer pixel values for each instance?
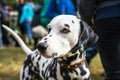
(42, 47)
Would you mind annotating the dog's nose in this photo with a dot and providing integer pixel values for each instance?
(42, 47)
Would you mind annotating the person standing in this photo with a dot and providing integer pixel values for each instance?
(106, 19)
(52, 8)
(18, 5)
(26, 18)
(5, 11)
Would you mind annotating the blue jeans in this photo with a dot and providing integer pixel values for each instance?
(28, 30)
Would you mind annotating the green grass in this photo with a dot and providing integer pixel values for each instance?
(11, 60)
(96, 68)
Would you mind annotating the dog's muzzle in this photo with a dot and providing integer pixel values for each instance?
(42, 48)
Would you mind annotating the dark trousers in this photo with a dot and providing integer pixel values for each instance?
(90, 53)
(108, 31)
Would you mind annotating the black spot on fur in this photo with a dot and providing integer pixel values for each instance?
(46, 61)
(32, 58)
(27, 78)
(36, 69)
(72, 21)
(27, 62)
(36, 54)
(75, 79)
(45, 38)
(83, 72)
(43, 74)
(39, 58)
(43, 65)
(53, 69)
(45, 41)
(66, 25)
(64, 72)
(70, 59)
(76, 72)
(81, 54)
(50, 35)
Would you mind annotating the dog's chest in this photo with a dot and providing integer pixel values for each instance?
(49, 69)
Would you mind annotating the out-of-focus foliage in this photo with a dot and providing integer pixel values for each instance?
(11, 2)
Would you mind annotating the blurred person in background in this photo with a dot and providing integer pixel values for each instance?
(5, 11)
(37, 11)
(106, 16)
(44, 20)
(18, 5)
(26, 18)
(66, 7)
(52, 8)
(58, 7)
(38, 31)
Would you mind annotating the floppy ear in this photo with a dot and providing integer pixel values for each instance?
(87, 36)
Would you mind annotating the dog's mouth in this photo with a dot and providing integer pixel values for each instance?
(46, 56)
(44, 53)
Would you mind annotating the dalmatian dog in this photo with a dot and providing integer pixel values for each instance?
(61, 54)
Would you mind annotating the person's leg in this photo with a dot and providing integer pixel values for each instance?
(109, 46)
(5, 37)
(23, 32)
(29, 31)
(90, 53)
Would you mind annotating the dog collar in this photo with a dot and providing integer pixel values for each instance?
(72, 66)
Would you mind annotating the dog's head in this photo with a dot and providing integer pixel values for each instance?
(64, 33)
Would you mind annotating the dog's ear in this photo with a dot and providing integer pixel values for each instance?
(87, 36)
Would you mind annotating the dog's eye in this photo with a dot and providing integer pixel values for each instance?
(65, 30)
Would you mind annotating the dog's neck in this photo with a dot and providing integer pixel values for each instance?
(72, 59)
